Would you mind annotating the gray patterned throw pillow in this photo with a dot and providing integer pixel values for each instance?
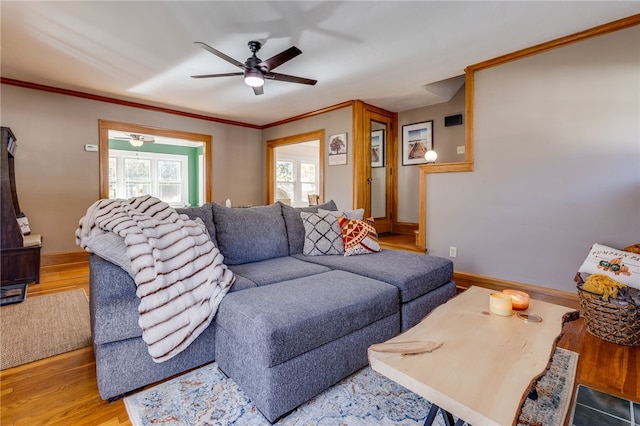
(322, 234)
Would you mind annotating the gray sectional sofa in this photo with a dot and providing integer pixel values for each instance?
(291, 326)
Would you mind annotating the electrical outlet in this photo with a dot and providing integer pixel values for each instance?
(460, 149)
(453, 251)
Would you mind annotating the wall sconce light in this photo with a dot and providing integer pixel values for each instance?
(431, 156)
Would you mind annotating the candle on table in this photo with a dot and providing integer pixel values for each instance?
(500, 304)
(520, 299)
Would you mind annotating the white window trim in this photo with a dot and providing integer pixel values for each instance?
(297, 183)
(120, 156)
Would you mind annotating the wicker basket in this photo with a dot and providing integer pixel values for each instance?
(614, 320)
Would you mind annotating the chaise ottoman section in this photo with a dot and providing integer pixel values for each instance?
(416, 310)
(424, 281)
(318, 327)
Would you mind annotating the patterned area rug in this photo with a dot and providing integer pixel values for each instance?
(206, 397)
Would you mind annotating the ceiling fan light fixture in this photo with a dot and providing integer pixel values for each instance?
(138, 140)
(253, 78)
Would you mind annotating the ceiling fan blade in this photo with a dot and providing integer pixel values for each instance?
(220, 54)
(258, 90)
(289, 78)
(228, 74)
(281, 58)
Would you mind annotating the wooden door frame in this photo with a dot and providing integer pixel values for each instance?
(362, 115)
(106, 125)
(290, 140)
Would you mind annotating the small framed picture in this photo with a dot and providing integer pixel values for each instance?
(338, 149)
(377, 148)
(417, 139)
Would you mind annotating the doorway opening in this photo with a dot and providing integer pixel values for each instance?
(171, 165)
(295, 166)
(297, 173)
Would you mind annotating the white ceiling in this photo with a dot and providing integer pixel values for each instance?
(383, 53)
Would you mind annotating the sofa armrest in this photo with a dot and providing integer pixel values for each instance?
(113, 303)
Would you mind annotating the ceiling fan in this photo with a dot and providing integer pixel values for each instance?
(137, 140)
(255, 70)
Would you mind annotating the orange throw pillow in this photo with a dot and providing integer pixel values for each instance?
(359, 236)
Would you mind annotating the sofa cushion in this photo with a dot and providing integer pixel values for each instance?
(322, 234)
(293, 221)
(204, 212)
(242, 283)
(414, 274)
(275, 270)
(250, 234)
(358, 236)
(110, 246)
(278, 322)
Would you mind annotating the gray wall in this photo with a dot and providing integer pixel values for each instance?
(445, 142)
(338, 180)
(557, 153)
(57, 180)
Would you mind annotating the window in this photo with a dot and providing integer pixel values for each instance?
(117, 136)
(305, 148)
(170, 181)
(296, 178)
(308, 179)
(132, 174)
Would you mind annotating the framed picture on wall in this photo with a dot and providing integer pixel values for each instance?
(417, 139)
(338, 149)
(377, 148)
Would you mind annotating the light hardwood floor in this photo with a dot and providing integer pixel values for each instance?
(62, 390)
(399, 241)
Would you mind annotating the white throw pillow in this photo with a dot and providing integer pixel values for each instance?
(322, 234)
(110, 246)
(622, 266)
(349, 214)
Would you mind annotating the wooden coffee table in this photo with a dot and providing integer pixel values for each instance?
(487, 363)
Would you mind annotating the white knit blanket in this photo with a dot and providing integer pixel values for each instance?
(179, 273)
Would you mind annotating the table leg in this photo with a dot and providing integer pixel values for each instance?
(433, 412)
(448, 417)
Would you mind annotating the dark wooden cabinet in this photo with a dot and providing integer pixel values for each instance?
(19, 264)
